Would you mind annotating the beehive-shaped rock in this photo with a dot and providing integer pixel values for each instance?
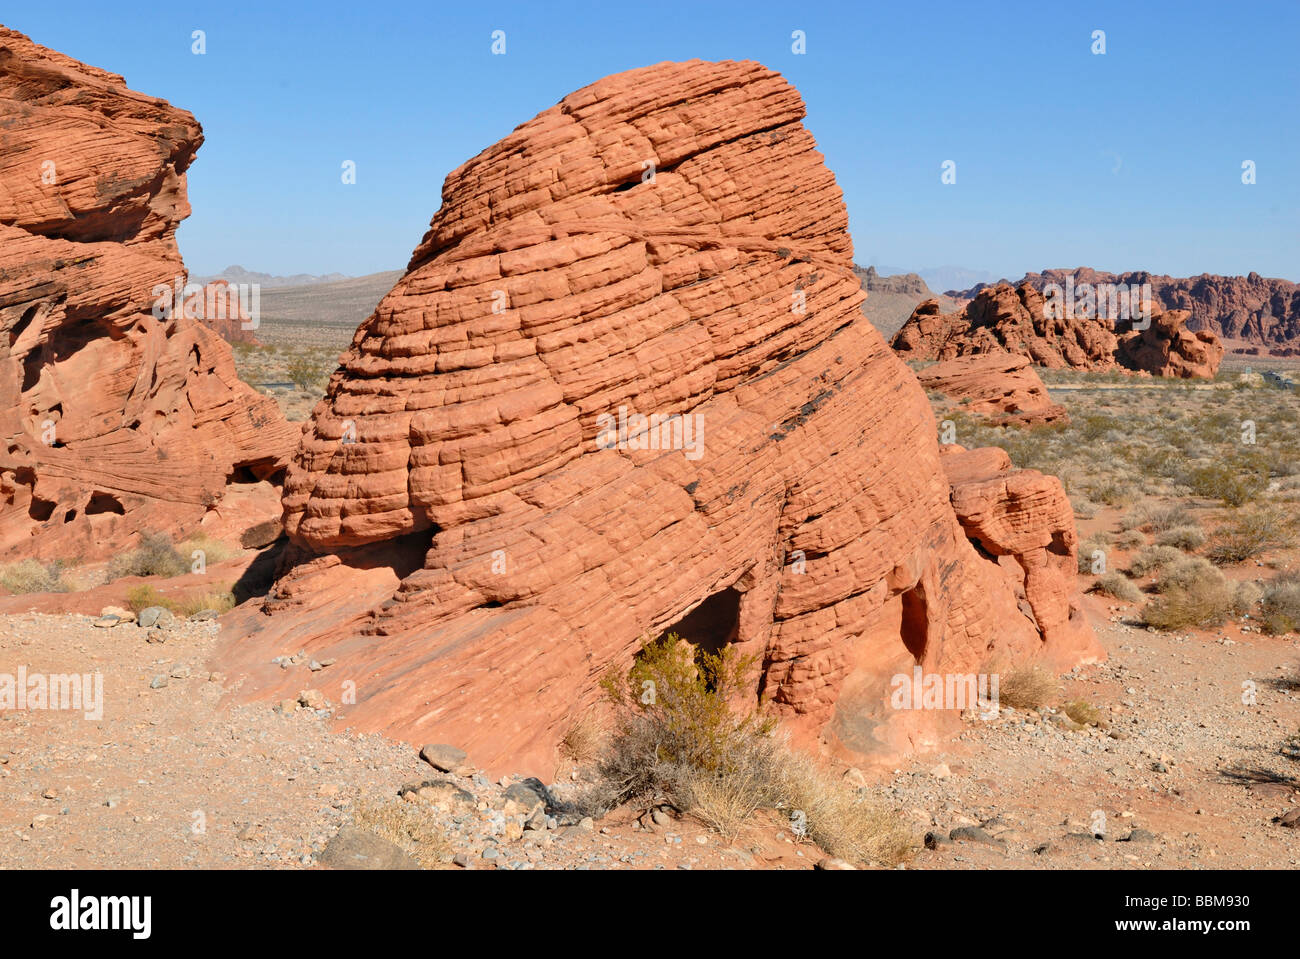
(478, 530)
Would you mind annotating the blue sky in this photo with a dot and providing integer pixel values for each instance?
(1127, 160)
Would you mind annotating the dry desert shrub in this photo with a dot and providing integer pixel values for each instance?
(1280, 604)
(845, 822)
(584, 739)
(143, 595)
(1083, 713)
(1250, 531)
(413, 826)
(221, 600)
(1182, 537)
(156, 556)
(1118, 586)
(214, 550)
(1153, 559)
(1025, 687)
(1198, 596)
(29, 576)
(682, 735)
(1156, 517)
(1130, 540)
(1186, 572)
(1112, 493)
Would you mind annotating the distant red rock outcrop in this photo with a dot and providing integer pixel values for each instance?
(1168, 348)
(484, 519)
(1253, 308)
(118, 415)
(1001, 387)
(220, 307)
(1022, 321)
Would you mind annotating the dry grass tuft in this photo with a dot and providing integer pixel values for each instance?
(413, 826)
(1025, 687)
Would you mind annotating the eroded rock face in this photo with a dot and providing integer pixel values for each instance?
(476, 539)
(115, 421)
(1168, 348)
(219, 307)
(1003, 319)
(1025, 515)
(1019, 320)
(1253, 308)
(1001, 387)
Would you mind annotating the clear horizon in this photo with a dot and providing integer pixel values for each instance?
(1131, 160)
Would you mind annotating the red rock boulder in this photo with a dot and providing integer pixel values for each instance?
(1168, 348)
(1001, 387)
(120, 415)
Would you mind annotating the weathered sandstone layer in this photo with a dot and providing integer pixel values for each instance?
(1001, 387)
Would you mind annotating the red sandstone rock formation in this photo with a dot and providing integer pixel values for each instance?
(1168, 347)
(1002, 319)
(1024, 515)
(1252, 308)
(1002, 387)
(218, 307)
(476, 539)
(115, 420)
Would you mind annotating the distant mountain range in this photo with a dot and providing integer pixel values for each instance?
(891, 299)
(293, 304)
(237, 274)
(1243, 309)
(943, 277)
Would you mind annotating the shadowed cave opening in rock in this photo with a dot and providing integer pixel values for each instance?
(710, 626)
(101, 502)
(915, 622)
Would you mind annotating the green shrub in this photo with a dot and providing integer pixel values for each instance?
(674, 712)
(1233, 483)
(307, 373)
